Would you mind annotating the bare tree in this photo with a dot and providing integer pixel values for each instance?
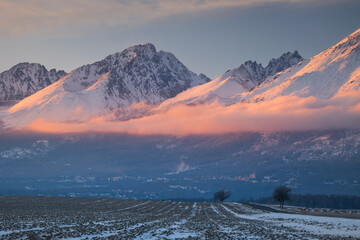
(282, 194)
(221, 195)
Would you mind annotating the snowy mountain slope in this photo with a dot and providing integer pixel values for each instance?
(331, 72)
(138, 74)
(239, 80)
(25, 79)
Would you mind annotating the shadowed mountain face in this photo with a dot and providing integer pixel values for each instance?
(285, 61)
(248, 164)
(25, 79)
(250, 74)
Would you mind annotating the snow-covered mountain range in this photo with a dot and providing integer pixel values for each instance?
(114, 85)
(25, 79)
(332, 72)
(239, 80)
(140, 81)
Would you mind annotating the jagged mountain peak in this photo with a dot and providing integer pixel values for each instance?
(26, 66)
(142, 48)
(147, 50)
(250, 74)
(250, 65)
(24, 79)
(204, 77)
(138, 74)
(285, 61)
(137, 62)
(233, 82)
(331, 72)
(296, 53)
(289, 56)
(249, 62)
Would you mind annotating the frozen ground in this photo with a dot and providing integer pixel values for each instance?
(80, 218)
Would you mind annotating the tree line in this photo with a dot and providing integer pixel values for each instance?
(318, 201)
(282, 194)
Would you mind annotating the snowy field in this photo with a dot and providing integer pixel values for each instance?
(80, 218)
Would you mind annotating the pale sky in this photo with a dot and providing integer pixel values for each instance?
(208, 36)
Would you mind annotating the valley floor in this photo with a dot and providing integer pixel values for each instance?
(84, 218)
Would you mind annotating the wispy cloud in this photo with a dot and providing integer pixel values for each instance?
(23, 17)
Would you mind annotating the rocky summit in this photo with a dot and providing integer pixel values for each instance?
(25, 79)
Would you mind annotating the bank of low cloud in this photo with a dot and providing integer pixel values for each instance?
(286, 113)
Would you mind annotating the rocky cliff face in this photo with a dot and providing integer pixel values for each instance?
(283, 62)
(251, 74)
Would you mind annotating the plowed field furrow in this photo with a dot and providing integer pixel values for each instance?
(81, 218)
